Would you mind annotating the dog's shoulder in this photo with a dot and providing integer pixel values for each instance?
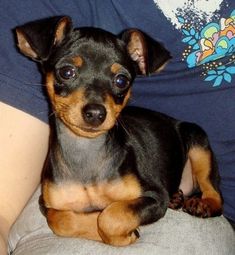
(134, 115)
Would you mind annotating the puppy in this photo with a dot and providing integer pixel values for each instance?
(112, 168)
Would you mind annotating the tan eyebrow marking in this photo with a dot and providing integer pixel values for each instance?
(77, 61)
(115, 68)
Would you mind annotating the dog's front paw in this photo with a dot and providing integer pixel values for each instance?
(119, 240)
(117, 225)
(202, 208)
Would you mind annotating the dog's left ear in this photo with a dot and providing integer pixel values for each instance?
(36, 39)
(149, 55)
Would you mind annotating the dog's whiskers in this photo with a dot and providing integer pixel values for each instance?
(123, 126)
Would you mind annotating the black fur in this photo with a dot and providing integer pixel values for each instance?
(149, 145)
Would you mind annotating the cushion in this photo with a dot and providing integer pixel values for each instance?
(176, 233)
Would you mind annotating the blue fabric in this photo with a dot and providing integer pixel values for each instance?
(198, 85)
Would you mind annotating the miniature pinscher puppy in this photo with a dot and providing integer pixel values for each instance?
(112, 168)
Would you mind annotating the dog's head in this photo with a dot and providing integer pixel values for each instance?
(89, 71)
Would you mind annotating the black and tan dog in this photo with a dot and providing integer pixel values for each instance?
(109, 169)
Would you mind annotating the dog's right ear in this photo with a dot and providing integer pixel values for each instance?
(149, 55)
(37, 39)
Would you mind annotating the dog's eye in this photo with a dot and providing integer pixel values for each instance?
(121, 81)
(67, 72)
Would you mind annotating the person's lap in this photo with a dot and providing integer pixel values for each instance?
(176, 233)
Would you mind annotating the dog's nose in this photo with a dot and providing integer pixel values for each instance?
(94, 114)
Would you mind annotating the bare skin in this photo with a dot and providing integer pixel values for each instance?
(24, 147)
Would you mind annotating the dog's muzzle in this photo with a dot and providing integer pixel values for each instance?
(94, 114)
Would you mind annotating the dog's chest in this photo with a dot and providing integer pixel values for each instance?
(86, 176)
(90, 197)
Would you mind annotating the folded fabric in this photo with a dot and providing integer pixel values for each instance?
(177, 233)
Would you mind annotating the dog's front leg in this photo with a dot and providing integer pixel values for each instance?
(118, 223)
(72, 224)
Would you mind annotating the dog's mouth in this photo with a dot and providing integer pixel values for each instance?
(89, 132)
(89, 129)
(87, 126)
(84, 130)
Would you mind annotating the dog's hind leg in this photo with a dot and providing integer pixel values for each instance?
(204, 173)
(210, 202)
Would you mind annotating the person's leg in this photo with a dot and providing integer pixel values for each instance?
(24, 145)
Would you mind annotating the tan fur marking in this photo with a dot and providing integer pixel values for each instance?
(50, 80)
(116, 224)
(77, 197)
(66, 203)
(71, 224)
(65, 196)
(59, 34)
(135, 44)
(115, 68)
(115, 109)
(201, 167)
(46, 190)
(127, 188)
(77, 61)
(69, 109)
(24, 46)
(137, 51)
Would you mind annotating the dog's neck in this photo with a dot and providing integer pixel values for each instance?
(86, 159)
(68, 140)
